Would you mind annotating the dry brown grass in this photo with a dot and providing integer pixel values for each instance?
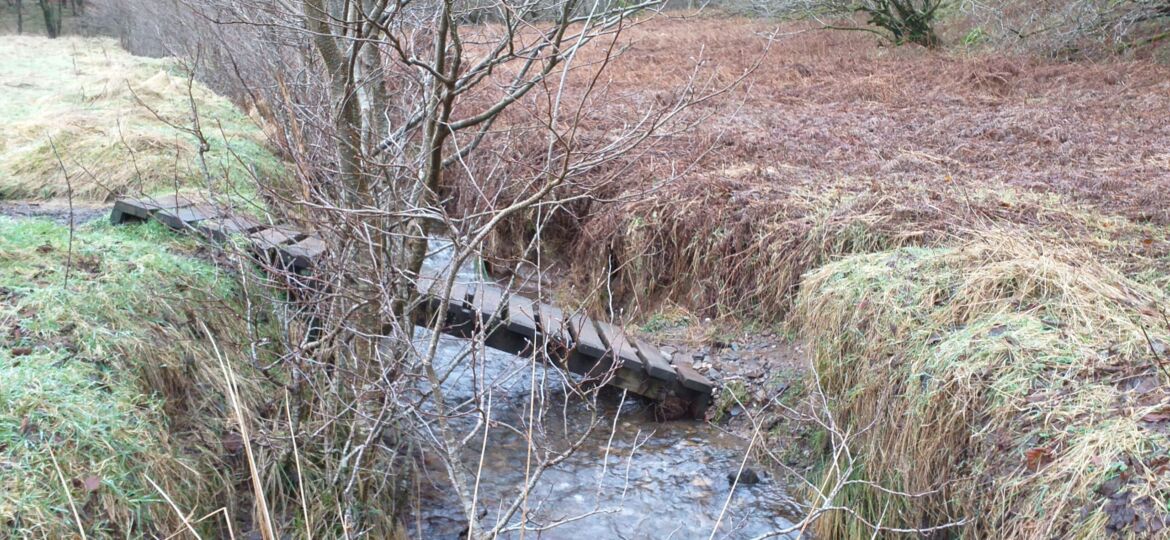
(824, 113)
(1007, 378)
(732, 244)
(119, 124)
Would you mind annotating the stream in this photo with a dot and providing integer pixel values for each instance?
(631, 477)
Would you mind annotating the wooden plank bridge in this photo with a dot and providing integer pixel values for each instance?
(509, 322)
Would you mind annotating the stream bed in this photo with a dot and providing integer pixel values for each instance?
(630, 477)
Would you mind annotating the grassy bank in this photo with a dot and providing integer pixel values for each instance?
(763, 236)
(989, 344)
(111, 399)
(1010, 380)
(117, 123)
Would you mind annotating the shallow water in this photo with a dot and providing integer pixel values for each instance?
(633, 477)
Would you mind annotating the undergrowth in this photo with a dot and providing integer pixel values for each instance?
(760, 233)
(109, 395)
(1007, 382)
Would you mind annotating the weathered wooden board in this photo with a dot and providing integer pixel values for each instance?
(144, 207)
(488, 302)
(124, 212)
(458, 298)
(552, 323)
(178, 218)
(585, 336)
(622, 349)
(303, 255)
(656, 364)
(689, 378)
(223, 227)
(274, 237)
(522, 316)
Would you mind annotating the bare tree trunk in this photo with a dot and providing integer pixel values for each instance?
(52, 13)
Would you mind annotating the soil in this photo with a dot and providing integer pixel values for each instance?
(56, 210)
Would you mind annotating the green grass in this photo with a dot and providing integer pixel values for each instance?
(120, 124)
(89, 369)
(993, 376)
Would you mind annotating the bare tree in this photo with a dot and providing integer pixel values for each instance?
(380, 107)
(51, 10)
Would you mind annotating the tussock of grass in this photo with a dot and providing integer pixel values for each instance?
(83, 94)
(739, 242)
(119, 384)
(1008, 378)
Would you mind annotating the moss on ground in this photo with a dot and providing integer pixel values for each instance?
(108, 396)
(119, 124)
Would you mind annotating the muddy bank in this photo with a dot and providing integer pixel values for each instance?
(56, 210)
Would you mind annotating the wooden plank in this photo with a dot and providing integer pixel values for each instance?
(586, 337)
(552, 323)
(144, 207)
(615, 340)
(522, 316)
(274, 237)
(488, 302)
(125, 210)
(689, 378)
(637, 382)
(458, 297)
(305, 253)
(656, 364)
(179, 218)
(221, 228)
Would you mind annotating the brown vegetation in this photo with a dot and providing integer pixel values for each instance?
(930, 142)
(1031, 336)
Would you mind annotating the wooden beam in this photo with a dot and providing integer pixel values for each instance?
(179, 218)
(622, 349)
(656, 364)
(587, 339)
(522, 316)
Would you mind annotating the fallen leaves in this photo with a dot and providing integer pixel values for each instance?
(232, 442)
(1035, 458)
(89, 484)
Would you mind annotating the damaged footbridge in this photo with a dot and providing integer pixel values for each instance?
(509, 322)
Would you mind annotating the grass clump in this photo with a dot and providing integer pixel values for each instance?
(119, 124)
(1007, 381)
(739, 242)
(103, 380)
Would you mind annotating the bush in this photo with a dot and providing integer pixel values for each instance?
(906, 21)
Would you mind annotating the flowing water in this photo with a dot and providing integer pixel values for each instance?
(632, 477)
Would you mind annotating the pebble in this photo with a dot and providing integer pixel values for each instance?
(701, 482)
(749, 477)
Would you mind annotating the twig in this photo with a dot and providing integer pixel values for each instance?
(69, 191)
(1157, 357)
(174, 507)
(68, 494)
